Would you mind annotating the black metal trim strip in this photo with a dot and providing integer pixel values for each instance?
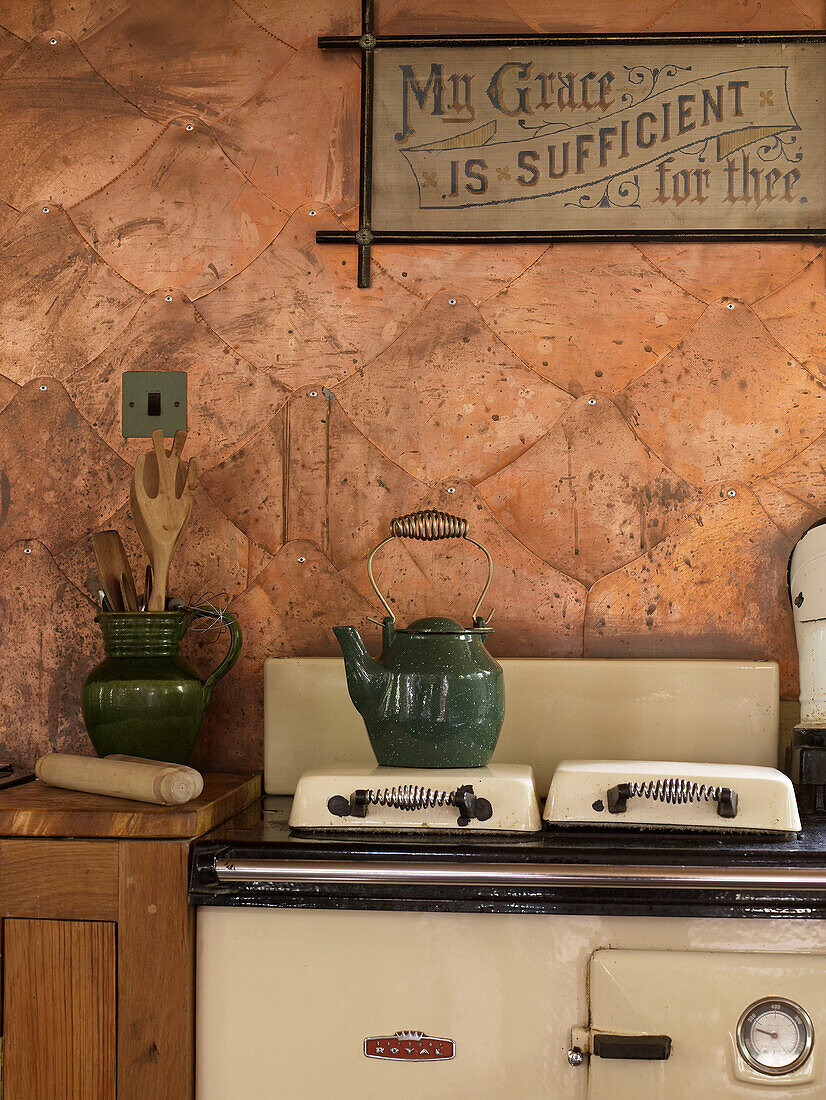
(399, 236)
(363, 236)
(729, 904)
(422, 41)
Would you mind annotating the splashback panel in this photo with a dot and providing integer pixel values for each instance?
(718, 712)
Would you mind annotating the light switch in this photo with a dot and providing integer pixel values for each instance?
(153, 399)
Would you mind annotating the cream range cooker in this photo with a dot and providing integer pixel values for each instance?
(367, 932)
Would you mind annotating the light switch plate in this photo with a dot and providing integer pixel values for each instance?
(153, 399)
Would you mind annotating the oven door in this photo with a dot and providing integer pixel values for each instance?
(308, 1004)
(665, 1024)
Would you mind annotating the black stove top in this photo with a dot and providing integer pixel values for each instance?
(261, 833)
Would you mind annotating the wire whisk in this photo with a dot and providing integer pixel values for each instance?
(210, 607)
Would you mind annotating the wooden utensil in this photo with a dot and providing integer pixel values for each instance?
(128, 593)
(195, 776)
(114, 570)
(143, 781)
(161, 501)
(147, 587)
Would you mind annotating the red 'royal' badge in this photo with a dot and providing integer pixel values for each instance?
(409, 1046)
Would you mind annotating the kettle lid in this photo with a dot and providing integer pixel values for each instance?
(439, 624)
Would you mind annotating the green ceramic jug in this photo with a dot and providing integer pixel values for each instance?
(144, 699)
(435, 698)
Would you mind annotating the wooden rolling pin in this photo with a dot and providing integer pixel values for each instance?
(143, 781)
(198, 779)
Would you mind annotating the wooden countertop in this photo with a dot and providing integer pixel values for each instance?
(36, 809)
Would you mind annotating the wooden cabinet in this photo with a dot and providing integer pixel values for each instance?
(99, 942)
(60, 1009)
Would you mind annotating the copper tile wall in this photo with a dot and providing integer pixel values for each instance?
(636, 432)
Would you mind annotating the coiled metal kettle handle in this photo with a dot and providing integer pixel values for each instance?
(430, 526)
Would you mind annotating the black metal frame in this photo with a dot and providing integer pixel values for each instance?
(368, 42)
(262, 832)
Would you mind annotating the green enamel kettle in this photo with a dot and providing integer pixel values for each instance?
(435, 698)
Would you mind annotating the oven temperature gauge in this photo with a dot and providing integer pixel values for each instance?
(775, 1036)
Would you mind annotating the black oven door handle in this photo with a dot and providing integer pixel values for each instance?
(650, 1048)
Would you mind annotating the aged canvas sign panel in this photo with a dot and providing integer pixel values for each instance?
(640, 136)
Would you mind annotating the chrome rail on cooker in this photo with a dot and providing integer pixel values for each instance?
(601, 876)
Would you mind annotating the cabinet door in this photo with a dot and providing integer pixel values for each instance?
(59, 998)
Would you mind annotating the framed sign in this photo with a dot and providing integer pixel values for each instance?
(573, 137)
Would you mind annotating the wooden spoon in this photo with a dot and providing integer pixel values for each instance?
(161, 501)
(114, 570)
(147, 587)
(128, 594)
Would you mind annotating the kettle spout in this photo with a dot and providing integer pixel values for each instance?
(365, 676)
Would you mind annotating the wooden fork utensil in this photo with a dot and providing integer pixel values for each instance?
(161, 502)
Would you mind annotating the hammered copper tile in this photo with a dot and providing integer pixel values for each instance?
(8, 216)
(796, 316)
(477, 271)
(257, 560)
(791, 515)
(60, 305)
(365, 490)
(716, 587)
(444, 16)
(591, 316)
(227, 398)
(307, 431)
(26, 18)
(295, 23)
(449, 398)
(65, 130)
(411, 589)
(249, 485)
(8, 391)
(805, 475)
(589, 496)
(57, 478)
(289, 611)
(297, 138)
(732, 269)
(815, 10)
(610, 16)
(170, 58)
(342, 491)
(10, 47)
(539, 611)
(739, 16)
(298, 311)
(349, 219)
(212, 557)
(306, 597)
(182, 215)
(50, 643)
(728, 402)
